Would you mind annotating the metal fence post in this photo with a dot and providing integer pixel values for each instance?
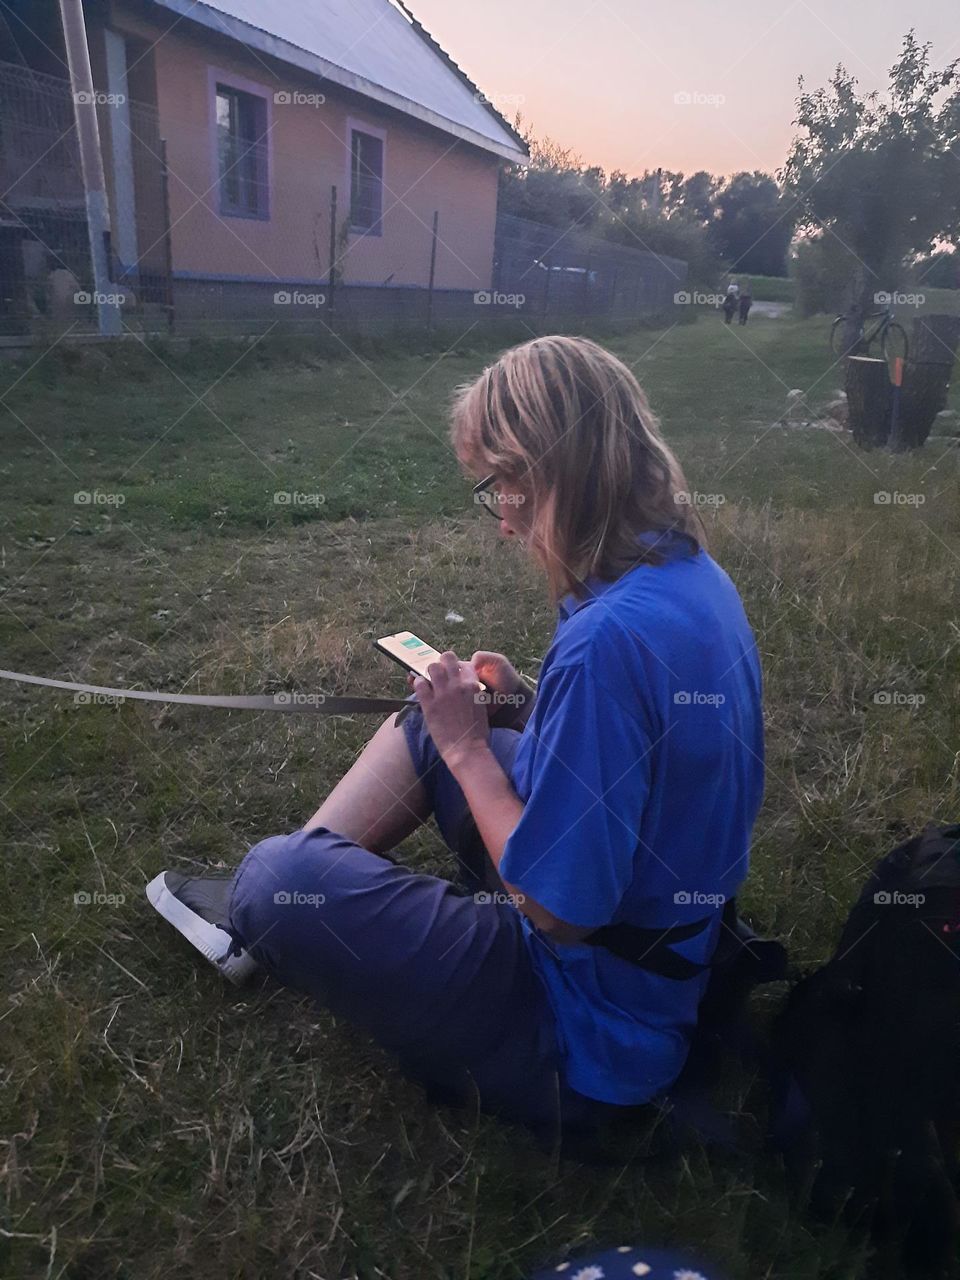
(433, 268)
(332, 274)
(167, 241)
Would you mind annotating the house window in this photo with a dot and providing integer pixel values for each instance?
(366, 182)
(242, 153)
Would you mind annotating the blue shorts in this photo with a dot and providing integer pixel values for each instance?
(438, 975)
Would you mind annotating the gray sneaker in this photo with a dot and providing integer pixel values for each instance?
(199, 908)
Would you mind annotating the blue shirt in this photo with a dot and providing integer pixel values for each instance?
(641, 769)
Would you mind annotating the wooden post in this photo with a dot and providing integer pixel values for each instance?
(926, 382)
(433, 268)
(869, 400)
(934, 339)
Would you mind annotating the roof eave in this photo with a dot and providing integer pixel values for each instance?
(284, 51)
(434, 45)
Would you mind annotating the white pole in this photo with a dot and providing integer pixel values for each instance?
(91, 162)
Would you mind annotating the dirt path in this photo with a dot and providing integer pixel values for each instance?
(772, 310)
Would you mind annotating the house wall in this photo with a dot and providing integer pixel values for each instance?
(308, 153)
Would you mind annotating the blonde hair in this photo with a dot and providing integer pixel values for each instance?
(569, 425)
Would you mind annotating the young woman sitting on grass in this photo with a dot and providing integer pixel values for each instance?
(614, 814)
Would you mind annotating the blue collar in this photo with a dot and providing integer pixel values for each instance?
(670, 543)
(571, 604)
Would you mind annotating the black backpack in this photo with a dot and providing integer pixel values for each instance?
(866, 1064)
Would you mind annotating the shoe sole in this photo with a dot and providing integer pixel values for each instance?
(197, 931)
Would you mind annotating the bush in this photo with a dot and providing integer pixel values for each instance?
(673, 237)
(826, 275)
(938, 271)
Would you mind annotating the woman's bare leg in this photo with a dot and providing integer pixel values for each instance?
(380, 800)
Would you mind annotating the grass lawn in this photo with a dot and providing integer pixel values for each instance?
(156, 1124)
(939, 301)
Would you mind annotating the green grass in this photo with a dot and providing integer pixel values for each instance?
(773, 288)
(158, 1125)
(939, 301)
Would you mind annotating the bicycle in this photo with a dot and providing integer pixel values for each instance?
(891, 336)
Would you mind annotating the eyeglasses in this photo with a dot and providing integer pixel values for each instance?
(486, 495)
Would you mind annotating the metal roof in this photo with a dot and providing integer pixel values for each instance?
(374, 47)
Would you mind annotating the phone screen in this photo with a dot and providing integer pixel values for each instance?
(410, 651)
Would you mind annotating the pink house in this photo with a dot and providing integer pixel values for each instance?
(251, 144)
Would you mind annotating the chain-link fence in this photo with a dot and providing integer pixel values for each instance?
(43, 222)
(571, 273)
(46, 280)
(269, 221)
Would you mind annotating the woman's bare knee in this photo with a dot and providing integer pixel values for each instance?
(380, 800)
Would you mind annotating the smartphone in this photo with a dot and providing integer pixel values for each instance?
(412, 653)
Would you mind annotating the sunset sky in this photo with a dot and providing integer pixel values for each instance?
(601, 76)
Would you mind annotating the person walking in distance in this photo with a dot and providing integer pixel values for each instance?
(746, 300)
(730, 301)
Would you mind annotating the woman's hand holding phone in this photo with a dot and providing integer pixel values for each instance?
(455, 710)
(511, 700)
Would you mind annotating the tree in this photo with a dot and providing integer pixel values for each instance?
(697, 196)
(554, 187)
(753, 224)
(880, 174)
(655, 211)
